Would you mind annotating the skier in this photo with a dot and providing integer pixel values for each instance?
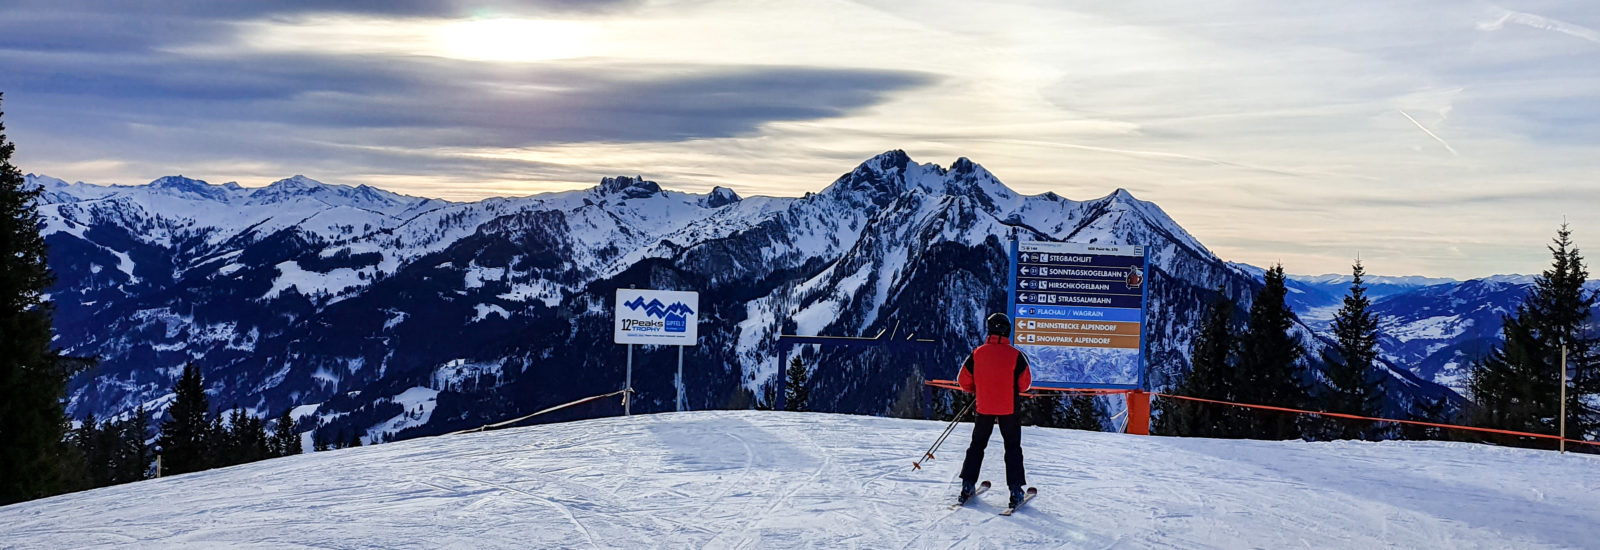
(996, 372)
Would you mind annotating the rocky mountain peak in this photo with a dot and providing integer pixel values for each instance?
(720, 197)
(632, 188)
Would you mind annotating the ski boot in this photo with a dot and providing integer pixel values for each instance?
(1017, 495)
(968, 488)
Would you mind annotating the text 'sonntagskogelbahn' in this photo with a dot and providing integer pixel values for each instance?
(1079, 295)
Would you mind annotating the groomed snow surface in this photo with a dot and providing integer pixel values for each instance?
(780, 480)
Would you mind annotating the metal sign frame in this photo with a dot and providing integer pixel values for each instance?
(685, 317)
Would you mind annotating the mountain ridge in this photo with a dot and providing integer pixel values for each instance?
(333, 300)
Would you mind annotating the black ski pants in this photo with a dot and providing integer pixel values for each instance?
(1011, 432)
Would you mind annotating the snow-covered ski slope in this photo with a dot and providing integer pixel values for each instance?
(782, 480)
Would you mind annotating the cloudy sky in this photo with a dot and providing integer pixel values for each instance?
(1440, 138)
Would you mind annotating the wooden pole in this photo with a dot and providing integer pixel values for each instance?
(1563, 422)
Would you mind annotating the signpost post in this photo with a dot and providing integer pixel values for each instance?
(655, 317)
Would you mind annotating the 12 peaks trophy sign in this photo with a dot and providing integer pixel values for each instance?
(1079, 312)
(659, 317)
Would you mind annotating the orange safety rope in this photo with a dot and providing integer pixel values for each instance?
(1355, 417)
(952, 385)
(949, 384)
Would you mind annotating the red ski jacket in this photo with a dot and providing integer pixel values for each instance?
(996, 372)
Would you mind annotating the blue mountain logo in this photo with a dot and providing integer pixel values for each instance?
(674, 315)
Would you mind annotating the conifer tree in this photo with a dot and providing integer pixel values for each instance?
(1082, 412)
(796, 394)
(1211, 377)
(34, 453)
(186, 434)
(285, 440)
(245, 438)
(1517, 386)
(1041, 410)
(1268, 359)
(256, 444)
(1426, 409)
(908, 400)
(114, 451)
(92, 454)
(1052, 410)
(1353, 384)
(134, 455)
(1566, 314)
(220, 449)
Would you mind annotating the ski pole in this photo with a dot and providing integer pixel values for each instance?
(936, 443)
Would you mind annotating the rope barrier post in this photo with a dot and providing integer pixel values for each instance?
(1563, 399)
(1138, 412)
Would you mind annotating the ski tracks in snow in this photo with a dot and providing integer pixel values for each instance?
(728, 479)
(565, 511)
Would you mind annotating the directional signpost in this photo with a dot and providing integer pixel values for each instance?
(655, 317)
(1079, 312)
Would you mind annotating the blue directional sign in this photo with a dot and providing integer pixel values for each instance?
(1078, 311)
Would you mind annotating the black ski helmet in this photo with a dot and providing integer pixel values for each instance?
(999, 325)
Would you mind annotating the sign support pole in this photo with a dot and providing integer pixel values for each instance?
(627, 387)
(655, 318)
(1563, 433)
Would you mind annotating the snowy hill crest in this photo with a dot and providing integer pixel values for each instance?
(787, 480)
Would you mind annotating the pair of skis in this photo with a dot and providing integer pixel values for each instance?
(982, 487)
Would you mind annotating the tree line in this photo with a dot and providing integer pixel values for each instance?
(1516, 386)
(194, 439)
(112, 451)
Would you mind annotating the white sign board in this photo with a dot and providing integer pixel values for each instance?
(656, 317)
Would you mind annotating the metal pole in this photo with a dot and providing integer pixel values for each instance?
(627, 388)
(783, 363)
(1563, 399)
(680, 379)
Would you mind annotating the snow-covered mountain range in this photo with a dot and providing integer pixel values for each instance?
(382, 313)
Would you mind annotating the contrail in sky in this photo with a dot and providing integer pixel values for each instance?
(1540, 22)
(1430, 133)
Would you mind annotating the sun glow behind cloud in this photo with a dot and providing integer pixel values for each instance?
(489, 40)
(515, 40)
